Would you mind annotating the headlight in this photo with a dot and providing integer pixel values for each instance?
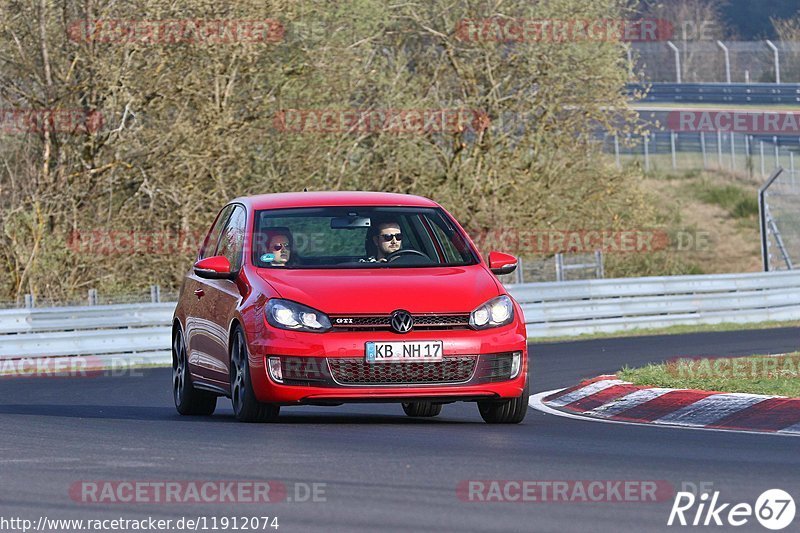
(285, 314)
(496, 312)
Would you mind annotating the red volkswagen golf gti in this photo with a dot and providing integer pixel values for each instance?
(327, 298)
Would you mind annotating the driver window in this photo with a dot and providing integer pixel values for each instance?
(210, 244)
(232, 239)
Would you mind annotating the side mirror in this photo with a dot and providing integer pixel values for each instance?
(216, 267)
(500, 263)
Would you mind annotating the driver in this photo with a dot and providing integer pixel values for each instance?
(387, 239)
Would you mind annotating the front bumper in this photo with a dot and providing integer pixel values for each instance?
(489, 350)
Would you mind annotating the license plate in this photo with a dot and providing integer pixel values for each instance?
(404, 351)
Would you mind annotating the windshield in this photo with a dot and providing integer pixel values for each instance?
(358, 237)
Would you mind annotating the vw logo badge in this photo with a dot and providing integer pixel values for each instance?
(402, 321)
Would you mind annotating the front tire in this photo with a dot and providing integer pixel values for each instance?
(246, 407)
(422, 409)
(188, 400)
(511, 411)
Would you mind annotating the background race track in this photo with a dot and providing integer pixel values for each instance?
(381, 469)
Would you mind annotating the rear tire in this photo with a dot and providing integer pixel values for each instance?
(188, 400)
(246, 407)
(422, 409)
(511, 411)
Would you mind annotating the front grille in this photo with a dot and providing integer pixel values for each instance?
(383, 322)
(358, 372)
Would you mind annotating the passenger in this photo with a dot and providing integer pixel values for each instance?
(279, 247)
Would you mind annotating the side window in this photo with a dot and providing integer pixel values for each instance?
(232, 240)
(451, 254)
(210, 244)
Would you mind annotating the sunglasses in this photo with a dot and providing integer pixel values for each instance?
(389, 236)
(279, 247)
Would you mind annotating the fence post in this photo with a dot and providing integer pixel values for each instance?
(703, 149)
(630, 61)
(748, 161)
(727, 61)
(616, 152)
(672, 147)
(155, 294)
(647, 152)
(733, 152)
(719, 148)
(559, 267)
(599, 270)
(92, 297)
(777, 155)
(777, 61)
(761, 151)
(677, 61)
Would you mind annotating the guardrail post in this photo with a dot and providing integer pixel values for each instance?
(677, 61)
(92, 297)
(727, 61)
(777, 60)
(30, 301)
(155, 294)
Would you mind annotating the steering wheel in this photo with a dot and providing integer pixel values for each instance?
(400, 253)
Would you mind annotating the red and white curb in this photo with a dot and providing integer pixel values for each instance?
(609, 399)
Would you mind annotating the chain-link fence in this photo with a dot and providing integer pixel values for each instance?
(717, 61)
(754, 155)
(92, 297)
(779, 202)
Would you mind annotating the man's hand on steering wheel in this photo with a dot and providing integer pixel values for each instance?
(400, 253)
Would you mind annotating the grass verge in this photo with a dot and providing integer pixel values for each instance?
(759, 374)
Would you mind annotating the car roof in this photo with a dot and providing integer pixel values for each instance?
(334, 198)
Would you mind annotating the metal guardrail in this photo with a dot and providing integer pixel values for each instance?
(609, 305)
(551, 309)
(140, 329)
(719, 93)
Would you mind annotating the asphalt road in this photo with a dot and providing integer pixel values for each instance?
(381, 471)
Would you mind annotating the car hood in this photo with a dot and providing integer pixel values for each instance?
(383, 290)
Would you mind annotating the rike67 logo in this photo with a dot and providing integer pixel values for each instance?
(774, 509)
